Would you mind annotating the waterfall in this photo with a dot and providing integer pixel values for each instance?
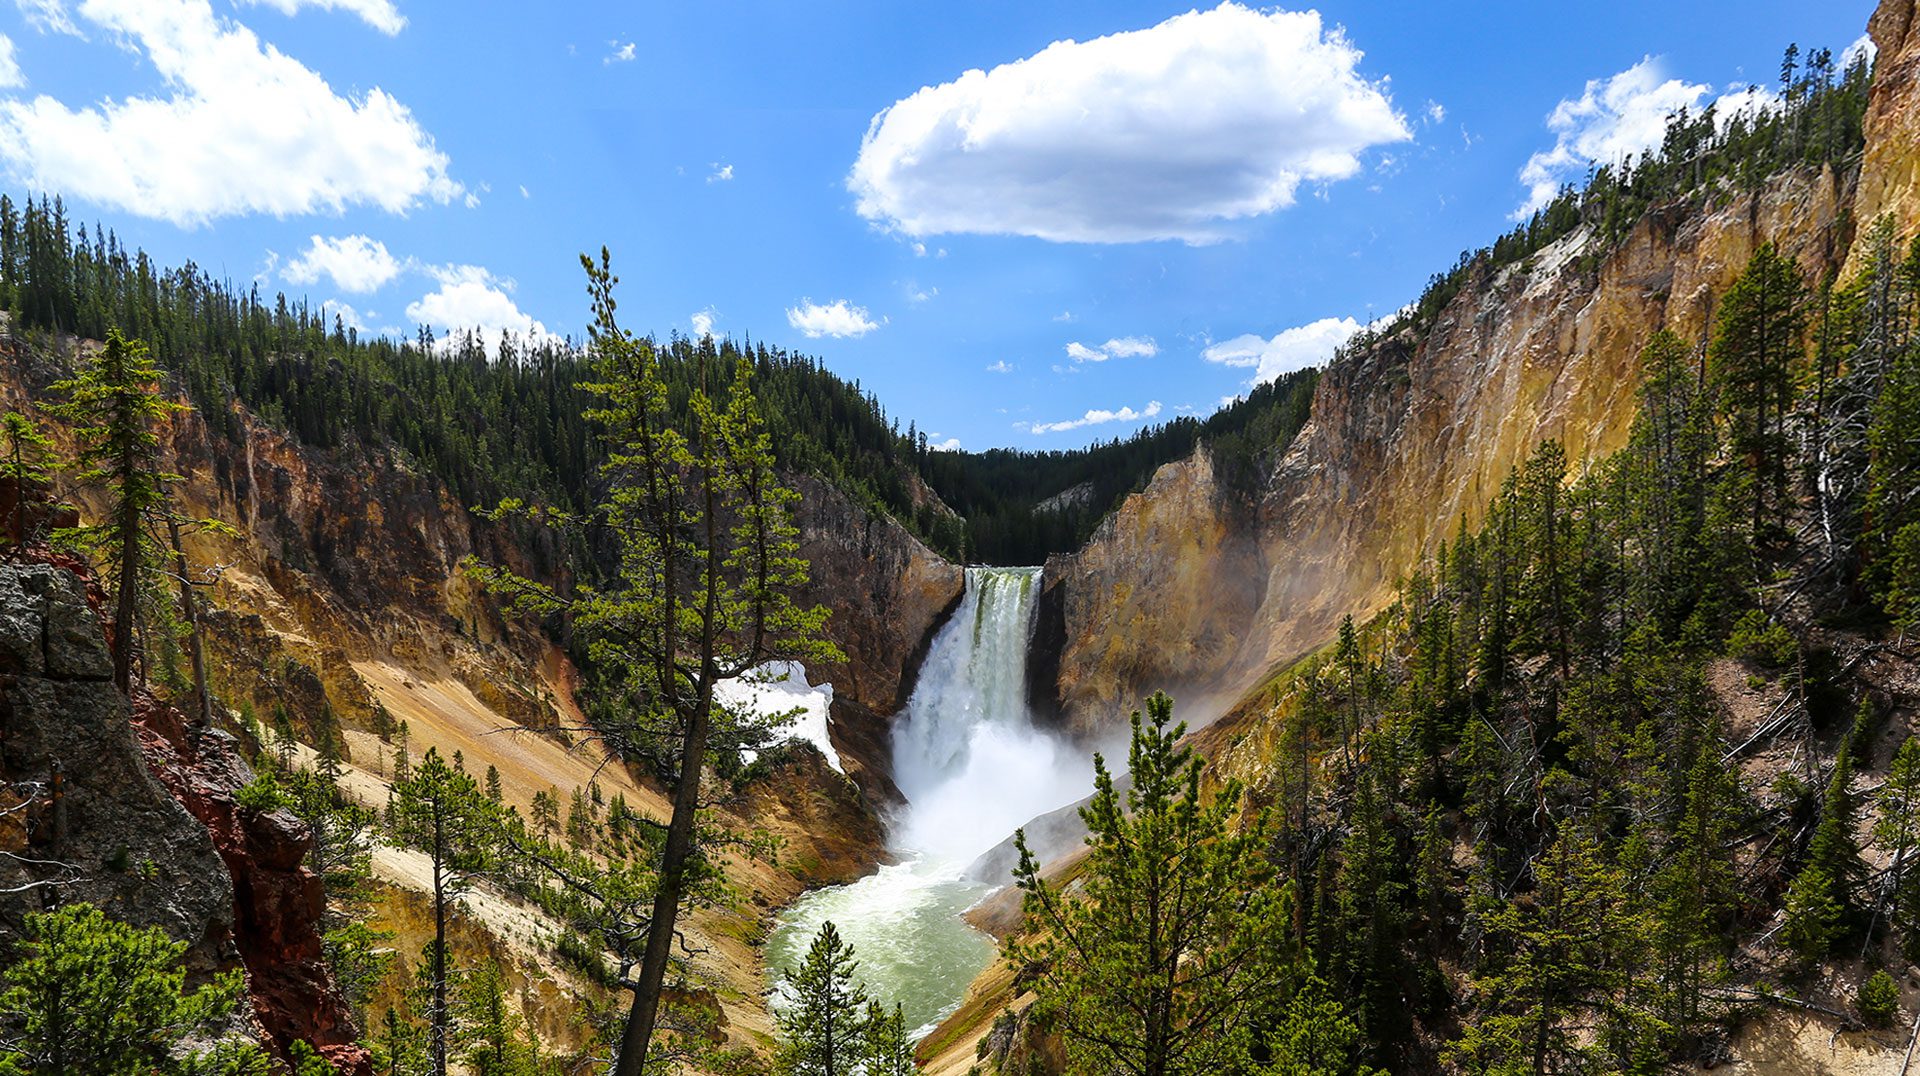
(966, 753)
(973, 768)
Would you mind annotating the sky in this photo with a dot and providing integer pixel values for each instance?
(1024, 223)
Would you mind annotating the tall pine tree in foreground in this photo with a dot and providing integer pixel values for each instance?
(1159, 962)
(114, 403)
(828, 1025)
(708, 569)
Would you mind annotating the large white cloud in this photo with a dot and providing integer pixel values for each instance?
(1617, 116)
(357, 264)
(379, 14)
(1162, 133)
(1097, 417)
(471, 298)
(247, 129)
(837, 319)
(1294, 349)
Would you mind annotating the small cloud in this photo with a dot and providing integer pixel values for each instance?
(1097, 417)
(917, 295)
(721, 173)
(48, 16)
(379, 14)
(1436, 112)
(1295, 349)
(1122, 347)
(524, 192)
(471, 298)
(1862, 46)
(838, 319)
(1619, 116)
(1001, 367)
(621, 53)
(357, 264)
(351, 318)
(1064, 316)
(702, 322)
(10, 76)
(951, 444)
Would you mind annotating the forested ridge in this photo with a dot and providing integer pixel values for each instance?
(506, 420)
(1529, 825)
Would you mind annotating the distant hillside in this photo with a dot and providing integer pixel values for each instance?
(508, 421)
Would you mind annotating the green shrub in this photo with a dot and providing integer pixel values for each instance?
(1879, 999)
(1761, 640)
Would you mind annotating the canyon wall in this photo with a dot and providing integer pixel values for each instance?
(1199, 591)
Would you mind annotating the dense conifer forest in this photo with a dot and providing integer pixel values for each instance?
(506, 421)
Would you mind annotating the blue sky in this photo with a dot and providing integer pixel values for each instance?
(1126, 211)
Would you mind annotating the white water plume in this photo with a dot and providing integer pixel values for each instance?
(973, 768)
(966, 753)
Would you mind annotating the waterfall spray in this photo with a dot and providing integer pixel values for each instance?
(973, 767)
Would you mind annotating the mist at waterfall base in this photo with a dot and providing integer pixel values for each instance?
(973, 767)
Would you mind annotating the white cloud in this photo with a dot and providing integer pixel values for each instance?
(951, 444)
(721, 173)
(621, 53)
(379, 14)
(1163, 133)
(1000, 367)
(247, 129)
(1436, 112)
(48, 16)
(471, 297)
(1618, 116)
(1862, 46)
(1064, 316)
(11, 77)
(524, 192)
(837, 319)
(1295, 349)
(1123, 347)
(1097, 417)
(702, 322)
(917, 294)
(356, 263)
(352, 318)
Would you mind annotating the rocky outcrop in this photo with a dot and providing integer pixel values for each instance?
(1890, 169)
(1193, 590)
(130, 812)
(887, 590)
(89, 823)
(277, 901)
(888, 594)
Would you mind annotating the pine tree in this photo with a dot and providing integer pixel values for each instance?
(114, 403)
(1178, 927)
(1556, 958)
(1820, 898)
(90, 994)
(1315, 1036)
(489, 1033)
(441, 811)
(27, 455)
(709, 567)
(888, 1049)
(827, 1022)
(1897, 830)
(1758, 337)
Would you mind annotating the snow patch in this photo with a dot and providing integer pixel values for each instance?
(779, 688)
